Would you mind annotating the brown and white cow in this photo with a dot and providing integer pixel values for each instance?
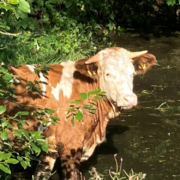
(112, 70)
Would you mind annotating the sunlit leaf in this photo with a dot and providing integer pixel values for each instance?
(5, 169)
(36, 149)
(5, 156)
(4, 135)
(75, 102)
(24, 164)
(12, 161)
(17, 132)
(24, 6)
(94, 92)
(2, 109)
(54, 118)
(22, 113)
(83, 96)
(13, 2)
(79, 115)
(49, 111)
(44, 148)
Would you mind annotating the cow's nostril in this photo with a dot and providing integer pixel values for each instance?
(130, 99)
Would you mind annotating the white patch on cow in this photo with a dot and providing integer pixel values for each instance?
(50, 161)
(57, 110)
(31, 67)
(65, 85)
(98, 141)
(43, 79)
(50, 141)
(114, 112)
(88, 152)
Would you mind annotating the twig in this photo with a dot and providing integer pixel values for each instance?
(10, 34)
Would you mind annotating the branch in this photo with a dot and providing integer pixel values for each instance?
(10, 34)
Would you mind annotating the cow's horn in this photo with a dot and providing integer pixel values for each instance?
(138, 53)
(94, 59)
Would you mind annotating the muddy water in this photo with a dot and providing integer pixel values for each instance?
(147, 138)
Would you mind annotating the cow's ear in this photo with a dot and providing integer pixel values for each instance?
(89, 70)
(143, 63)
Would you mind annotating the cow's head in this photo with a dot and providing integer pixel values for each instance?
(116, 69)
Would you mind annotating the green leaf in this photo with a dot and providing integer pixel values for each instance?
(4, 124)
(49, 111)
(75, 102)
(44, 148)
(5, 169)
(4, 135)
(72, 121)
(26, 134)
(94, 92)
(22, 113)
(5, 156)
(36, 149)
(79, 115)
(98, 97)
(19, 158)
(24, 164)
(12, 161)
(7, 77)
(7, 28)
(17, 132)
(170, 2)
(54, 118)
(83, 96)
(24, 6)
(36, 89)
(2, 109)
(92, 108)
(19, 126)
(13, 2)
(3, 70)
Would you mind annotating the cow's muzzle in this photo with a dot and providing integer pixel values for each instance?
(128, 101)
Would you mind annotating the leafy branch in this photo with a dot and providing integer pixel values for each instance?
(87, 101)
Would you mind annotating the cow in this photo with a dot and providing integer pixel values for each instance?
(112, 70)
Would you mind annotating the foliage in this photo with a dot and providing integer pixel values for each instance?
(53, 31)
(87, 101)
(56, 30)
(117, 174)
(167, 110)
(172, 2)
(31, 143)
